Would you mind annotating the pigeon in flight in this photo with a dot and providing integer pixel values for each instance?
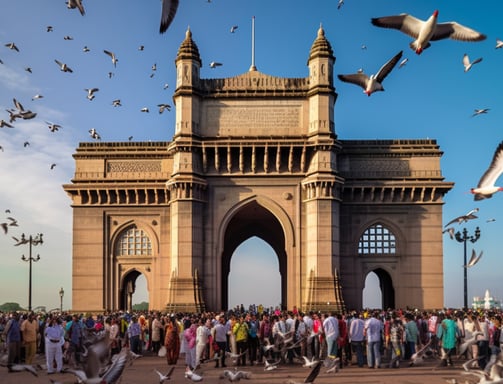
(144, 109)
(72, 4)
(53, 127)
(450, 231)
(233, 28)
(36, 97)
(486, 188)
(63, 67)
(49, 28)
(163, 107)
(94, 134)
(499, 44)
(474, 259)
(24, 114)
(113, 57)
(469, 64)
(425, 31)
(215, 64)
(464, 218)
(85, 49)
(141, 48)
(53, 165)
(402, 63)
(340, 4)
(28, 69)
(12, 46)
(374, 82)
(3, 124)
(117, 103)
(90, 93)
(67, 38)
(481, 111)
(168, 13)
(26, 144)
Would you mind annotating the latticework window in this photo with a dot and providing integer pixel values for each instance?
(133, 242)
(377, 240)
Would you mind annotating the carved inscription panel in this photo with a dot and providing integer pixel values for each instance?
(253, 120)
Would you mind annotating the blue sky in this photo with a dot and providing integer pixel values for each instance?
(430, 97)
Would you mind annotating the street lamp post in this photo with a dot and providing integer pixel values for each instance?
(32, 241)
(462, 238)
(61, 294)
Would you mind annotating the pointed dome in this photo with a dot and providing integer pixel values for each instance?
(321, 46)
(188, 49)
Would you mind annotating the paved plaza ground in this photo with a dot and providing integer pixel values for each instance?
(142, 372)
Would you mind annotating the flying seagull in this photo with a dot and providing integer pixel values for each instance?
(464, 218)
(72, 4)
(486, 188)
(112, 55)
(481, 111)
(425, 31)
(469, 64)
(168, 13)
(374, 82)
(63, 67)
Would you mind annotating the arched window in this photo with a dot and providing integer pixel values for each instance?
(133, 242)
(377, 240)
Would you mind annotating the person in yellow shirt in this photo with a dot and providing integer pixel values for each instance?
(240, 331)
(29, 329)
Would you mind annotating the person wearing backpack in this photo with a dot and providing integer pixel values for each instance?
(12, 334)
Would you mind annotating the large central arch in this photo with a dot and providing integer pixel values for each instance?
(248, 220)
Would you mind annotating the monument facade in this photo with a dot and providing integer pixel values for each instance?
(257, 155)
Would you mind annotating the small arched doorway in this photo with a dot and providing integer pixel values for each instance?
(379, 291)
(130, 291)
(253, 220)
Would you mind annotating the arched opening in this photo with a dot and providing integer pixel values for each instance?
(378, 291)
(140, 295)
(253, 221)
(254, 276)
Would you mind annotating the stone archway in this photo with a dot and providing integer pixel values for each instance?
(253, 220)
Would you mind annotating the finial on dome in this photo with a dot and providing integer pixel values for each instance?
(321, 32)
(188, 33)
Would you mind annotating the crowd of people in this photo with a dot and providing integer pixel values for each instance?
(367, 338)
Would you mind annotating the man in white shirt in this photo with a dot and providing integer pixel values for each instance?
(373, 330)
(331, 330)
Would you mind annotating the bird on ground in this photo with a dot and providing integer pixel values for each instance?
(163, 377)
(67, 37)
(117, 103)
(72, 4)
(235, 375)
(49, 28)
(168, 12)
(36, 97)
(313, 374)
(23, 367)
(469, 64)
(481, 111)
(192, 375)
(233, 28)
(3, 124)
(90, 93)
(144, 109)
(94, 134)
(450, 231)
(12, 46)
(486, 188)
(499, 44)
(53, 165)
(63, 67)
(215, 64)
(270, 365)
(163, 107)
(474, 259)
(403, 62)
(309, 363)
(464, 218)
(332, 364)
(112, 56)
(85, 49)
(425, 31)
(374, 82)
(53, 127)
(340, 4)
